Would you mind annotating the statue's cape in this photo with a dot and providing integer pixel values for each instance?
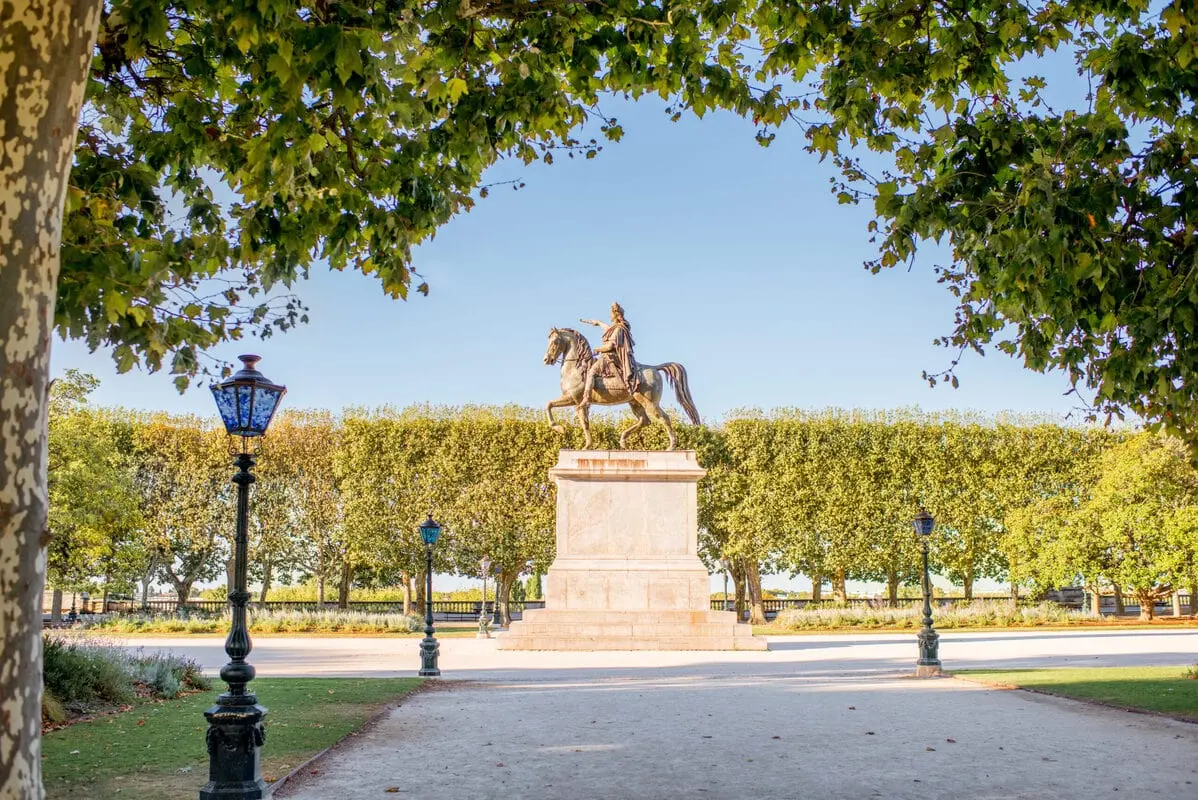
(621, 341)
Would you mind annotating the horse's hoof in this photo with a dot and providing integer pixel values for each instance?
(558, 429)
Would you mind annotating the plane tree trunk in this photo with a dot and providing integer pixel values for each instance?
(46, 47)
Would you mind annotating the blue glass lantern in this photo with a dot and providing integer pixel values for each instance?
(924, 523)
(247, 401)
(430, 531)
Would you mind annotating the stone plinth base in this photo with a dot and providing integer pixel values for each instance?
(550, 629)
(627, 574)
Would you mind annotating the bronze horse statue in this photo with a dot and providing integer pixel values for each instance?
(574, 352)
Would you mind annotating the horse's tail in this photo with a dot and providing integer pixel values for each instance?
(676, 374)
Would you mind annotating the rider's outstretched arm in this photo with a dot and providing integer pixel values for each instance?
(594, 322)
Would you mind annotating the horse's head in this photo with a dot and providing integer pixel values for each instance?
(557, 347)
(567, 343)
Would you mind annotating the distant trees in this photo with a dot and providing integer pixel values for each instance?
(826, 494)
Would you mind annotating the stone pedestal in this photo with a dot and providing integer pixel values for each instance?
(627, 574)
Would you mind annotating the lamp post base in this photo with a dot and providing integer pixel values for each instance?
(928, 665)
(429, 650)
(235, 738)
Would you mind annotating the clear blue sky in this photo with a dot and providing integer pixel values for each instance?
(728, 257)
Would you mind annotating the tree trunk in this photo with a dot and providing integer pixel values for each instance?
(266, 571)
(892, 587)
(320, 590)
(1118, 601)
(817, 587)
(347, 573)
(47, 51)
(967, 587)
(839, 587)
(1147, 600)
(56, 606)
(1014, 594)
(1193, 597)
(229, 579)
(1176, 596)
(421, 600)
(1095, 600)
(182, 592)
(407, 592)
(738, 583)
(503, 590)
(145, 591)
(756, 603)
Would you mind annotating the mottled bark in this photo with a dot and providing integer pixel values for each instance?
(420, 598)
(267, 569)
(967, 586)
(1095, 600)
(407, 592)
(738, 583)
(1147, 600)
(840, 592)
(56, 606)
(1176, 598)
(756, 604)
(503, 593)
(892, 587)
(1118, 601)
(347, 575)
(817, 587)
(45, 47)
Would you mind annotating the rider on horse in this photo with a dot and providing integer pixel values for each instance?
(614, 355)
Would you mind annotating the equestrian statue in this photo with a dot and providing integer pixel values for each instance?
(609, 375)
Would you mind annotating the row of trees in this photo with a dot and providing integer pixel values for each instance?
(139, 498)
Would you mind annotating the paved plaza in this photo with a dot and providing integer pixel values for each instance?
(830, 716)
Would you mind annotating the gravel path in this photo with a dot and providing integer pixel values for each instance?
(672, 736)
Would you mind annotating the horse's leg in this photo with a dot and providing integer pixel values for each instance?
(654, 408)
(584, 422)
(561, 402)
(642, 419)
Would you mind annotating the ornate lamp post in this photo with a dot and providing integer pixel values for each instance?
(247, 401)
(429, 649)
(928, 665)
(484, 619)
(726, 566)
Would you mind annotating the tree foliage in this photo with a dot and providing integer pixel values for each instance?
(226, 147)
(1071, 225)
(828, 494)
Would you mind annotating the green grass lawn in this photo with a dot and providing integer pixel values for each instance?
(1165, 690)
(156, 750)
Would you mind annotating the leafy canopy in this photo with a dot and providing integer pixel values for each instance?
(226, 146)
(1072, 229)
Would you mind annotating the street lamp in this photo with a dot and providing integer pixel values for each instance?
(429, 649)
(726, 567)
(928, 665)
(484, 619)
(247, 402)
